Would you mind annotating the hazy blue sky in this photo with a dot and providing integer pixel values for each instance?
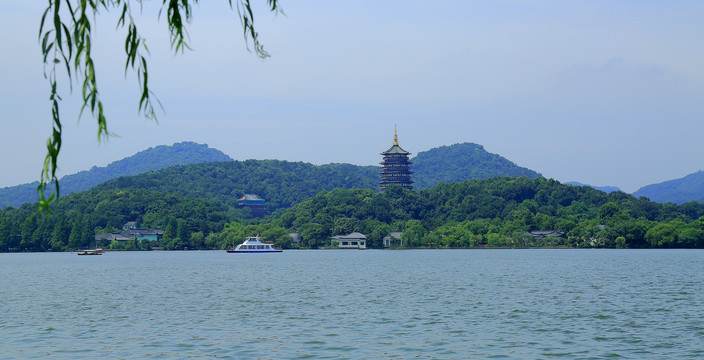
(601, 92)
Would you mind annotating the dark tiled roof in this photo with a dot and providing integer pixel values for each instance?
(395, 149)
(353, 236)
(540, 234)
(113, 236)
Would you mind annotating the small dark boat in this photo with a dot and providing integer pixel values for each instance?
(91, 252)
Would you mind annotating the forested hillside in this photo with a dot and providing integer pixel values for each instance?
(284, 183)
(678, 191)
(77, 217)
(196, 206)
(460, 162)
(493, 212)
(155, 158)
(497, 213)
(280, 183)
(269, 178)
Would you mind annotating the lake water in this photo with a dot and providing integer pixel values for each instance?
(441, 304)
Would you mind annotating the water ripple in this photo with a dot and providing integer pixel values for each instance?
(434, 304)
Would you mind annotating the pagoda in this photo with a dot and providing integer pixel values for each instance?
(396, 166)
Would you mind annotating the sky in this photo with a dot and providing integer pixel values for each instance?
(599, 92)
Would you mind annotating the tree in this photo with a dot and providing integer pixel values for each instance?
(171, 228)
(314, 234)
(182, 230)
(7, 233)
(662, 235)
(197, 240)
(345, 225)
(607, 211)
(376, 230)
(413, 234)
(620, 242)
(65, 37)
(59, 235)
(74, 239)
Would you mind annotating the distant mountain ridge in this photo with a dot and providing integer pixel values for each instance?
(284, 183)
(267, 178)
(460, 162)
(606, 189)
(678, 191)
(155, 158)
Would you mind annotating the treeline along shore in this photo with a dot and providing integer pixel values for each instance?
(499, 212)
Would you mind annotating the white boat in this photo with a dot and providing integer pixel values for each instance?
(252, 244)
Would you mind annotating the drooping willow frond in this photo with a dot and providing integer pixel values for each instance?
(65, 36)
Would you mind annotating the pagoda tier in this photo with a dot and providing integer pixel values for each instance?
(396, 167)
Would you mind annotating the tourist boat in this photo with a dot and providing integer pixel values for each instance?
(91, 252)
(252, 244)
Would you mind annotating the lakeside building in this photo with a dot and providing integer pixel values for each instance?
(354, 240)
(255, 204)
(542, 234)
(393, 239)
(131, 233)
(396, 167)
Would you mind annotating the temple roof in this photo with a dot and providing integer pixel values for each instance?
(249, 199)
(351, 236)
(395, 149)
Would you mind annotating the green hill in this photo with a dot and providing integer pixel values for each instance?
(498, 212)
(460, 162)
(155, 158)
(284, 183)
(270, 178)
(195, 210)
(280, 183)
(678, 191)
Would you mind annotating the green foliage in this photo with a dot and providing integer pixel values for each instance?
(280, 183)
(460, 162)
(77, 217)
(345, 225)
(662, 235)
(498, 212)
(314, 234)
(195, 206)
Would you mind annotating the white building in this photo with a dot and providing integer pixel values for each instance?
(354, 240)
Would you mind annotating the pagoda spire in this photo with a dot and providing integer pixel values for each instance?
(395, 136)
